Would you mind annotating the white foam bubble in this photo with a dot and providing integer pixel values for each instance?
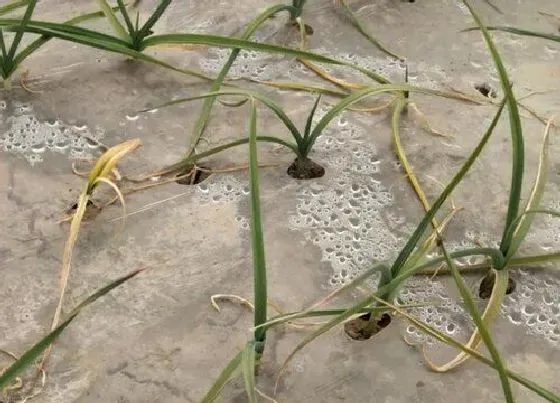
(224, 189)
(249, 64)
(24, 134)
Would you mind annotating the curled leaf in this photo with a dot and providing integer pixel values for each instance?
(109, 160)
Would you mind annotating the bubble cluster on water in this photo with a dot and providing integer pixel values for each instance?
(225, 189)
(262, 66)
(25, 134)
(536, 301)
(344, 215)
(249, 64)
(420, 73)
(536, 304)
(388, 67)
(346, 223)
(441, 312)
(243, 222)
(221, 189)
(545, 231)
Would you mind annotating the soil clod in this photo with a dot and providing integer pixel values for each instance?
(361, 328)
(305, 168)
